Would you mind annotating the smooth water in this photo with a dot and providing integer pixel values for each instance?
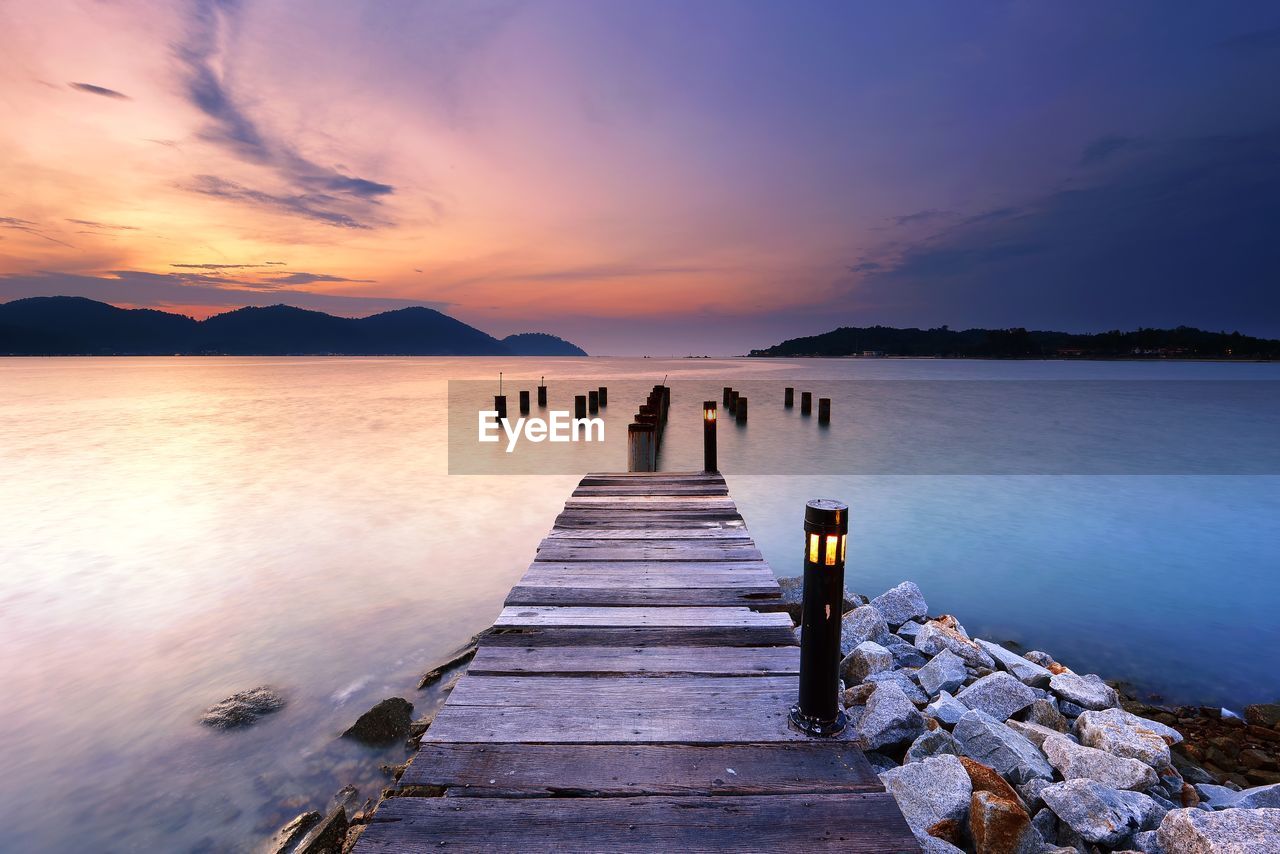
(175, 530)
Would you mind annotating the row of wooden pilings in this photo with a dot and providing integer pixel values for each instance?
(591, 402)
(806, 404)
(644, 435)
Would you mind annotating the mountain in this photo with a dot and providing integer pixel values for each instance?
(541, 344)
(65, 326)
(1184, 342)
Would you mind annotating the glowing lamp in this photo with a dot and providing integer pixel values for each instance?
(709, 436)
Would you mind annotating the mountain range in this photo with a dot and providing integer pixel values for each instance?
(1183, 342)
(76, 326)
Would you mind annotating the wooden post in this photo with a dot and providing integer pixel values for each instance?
(500, 404)
(542, 396)
(524, 403)
(788, 397)
(734, 397)
(640, 447)
(742, 410)
(604, 396)
(806, 402)
(824, 410)
(727, 392)
(593, 401)
(580, 406)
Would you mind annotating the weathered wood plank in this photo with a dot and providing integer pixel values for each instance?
(615, 770)
(664, 636)
(755, 597)
(639, 541)
(556, 552)
(649, 575)
(716, 617)
(649, 503)
(850, 822)
(689, 521)
(637, 661)
(696, 534)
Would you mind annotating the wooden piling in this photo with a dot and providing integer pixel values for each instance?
(524, 403)
(734, 397)
(580, 406)
(788, 397)
(824, 410)
(593, 401)
(806, 402)
(603, 391)
(728, 392)
(642, 446)
(500, 404)
(741, 410)
(542, 396)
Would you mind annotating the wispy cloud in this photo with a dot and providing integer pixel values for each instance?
(92, 89)
(322, 193)
(925, 216)
(102, 226)
(15, 224)
(1102, 148)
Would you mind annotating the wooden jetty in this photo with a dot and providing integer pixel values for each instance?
(633, 696)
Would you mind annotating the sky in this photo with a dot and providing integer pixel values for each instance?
(694, 177)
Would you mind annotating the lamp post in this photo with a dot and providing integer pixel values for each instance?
(709, 436)
(826, 527)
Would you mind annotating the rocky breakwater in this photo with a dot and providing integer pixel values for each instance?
(990, 750)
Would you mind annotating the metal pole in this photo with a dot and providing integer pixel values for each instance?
(818, 712)
(709, 462)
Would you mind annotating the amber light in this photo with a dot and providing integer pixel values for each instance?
(709, 414)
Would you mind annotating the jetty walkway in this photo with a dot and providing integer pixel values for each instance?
(633, 696)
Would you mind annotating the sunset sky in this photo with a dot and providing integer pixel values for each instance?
(650, 177)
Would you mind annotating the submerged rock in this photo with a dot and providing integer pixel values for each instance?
(1088, 692)
(1075, 761)
(999, 695)
(933, 795)
(244, 708)
(901, 604)
(1100, 814)
(287, 837)
(1231, 831)
(386, 722)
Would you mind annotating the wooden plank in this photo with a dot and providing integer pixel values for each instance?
(718, 617)
(639, 541)
(649, 503)
(649, 575)
(616, 770)
(688, 521)
(696, 534)
(555, 552)
(757, 597)
(850, 822)
(637, 661)
(620, 489)
(572, 709)
(632, 636)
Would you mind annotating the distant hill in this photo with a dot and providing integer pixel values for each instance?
(1181, 343)
(541, 344)
(73, 326)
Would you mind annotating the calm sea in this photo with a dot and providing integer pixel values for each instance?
(175, 530)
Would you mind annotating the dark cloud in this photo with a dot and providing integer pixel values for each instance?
(323, 193)
(865, 267)
(316, 206)
(918, 217)
(159, 290)
(309, 278)
(99, 90)
(217, 266)
(1181, 232)
(1102, 148)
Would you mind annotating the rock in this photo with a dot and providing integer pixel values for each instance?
(934, 845)
(1123, 734)
(867, 658)
(857, 695)
(1035, 656)
(1069, 709)
(243, 708)
(903, 681)
(946, 709)
(862, 624)
(1190, 771)
(945, 633)
(901, 604)
(879, 761)
(945, 672)
(1026, 672)
(930, 792)
(1001, 826)
(1263, 714)
(287, 837)
(1046, 823)
(1217, 797)
(933, 743)
(1147, 842)
(1034, 733)
(1045, 713)
(1030, 793)
(999, 695)
(908, 630)
(1088, 692)
(793, 597)
(890, 718)
(1075, 761)
(1259, 797)
(329, 837)
(1100, 814)
(1231, 831)
(984, 778)
(992, 743)
(904, 654)
(384, 723)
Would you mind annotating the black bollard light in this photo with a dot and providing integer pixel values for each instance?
(709, 436)
(826, 527)
(788, 397)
